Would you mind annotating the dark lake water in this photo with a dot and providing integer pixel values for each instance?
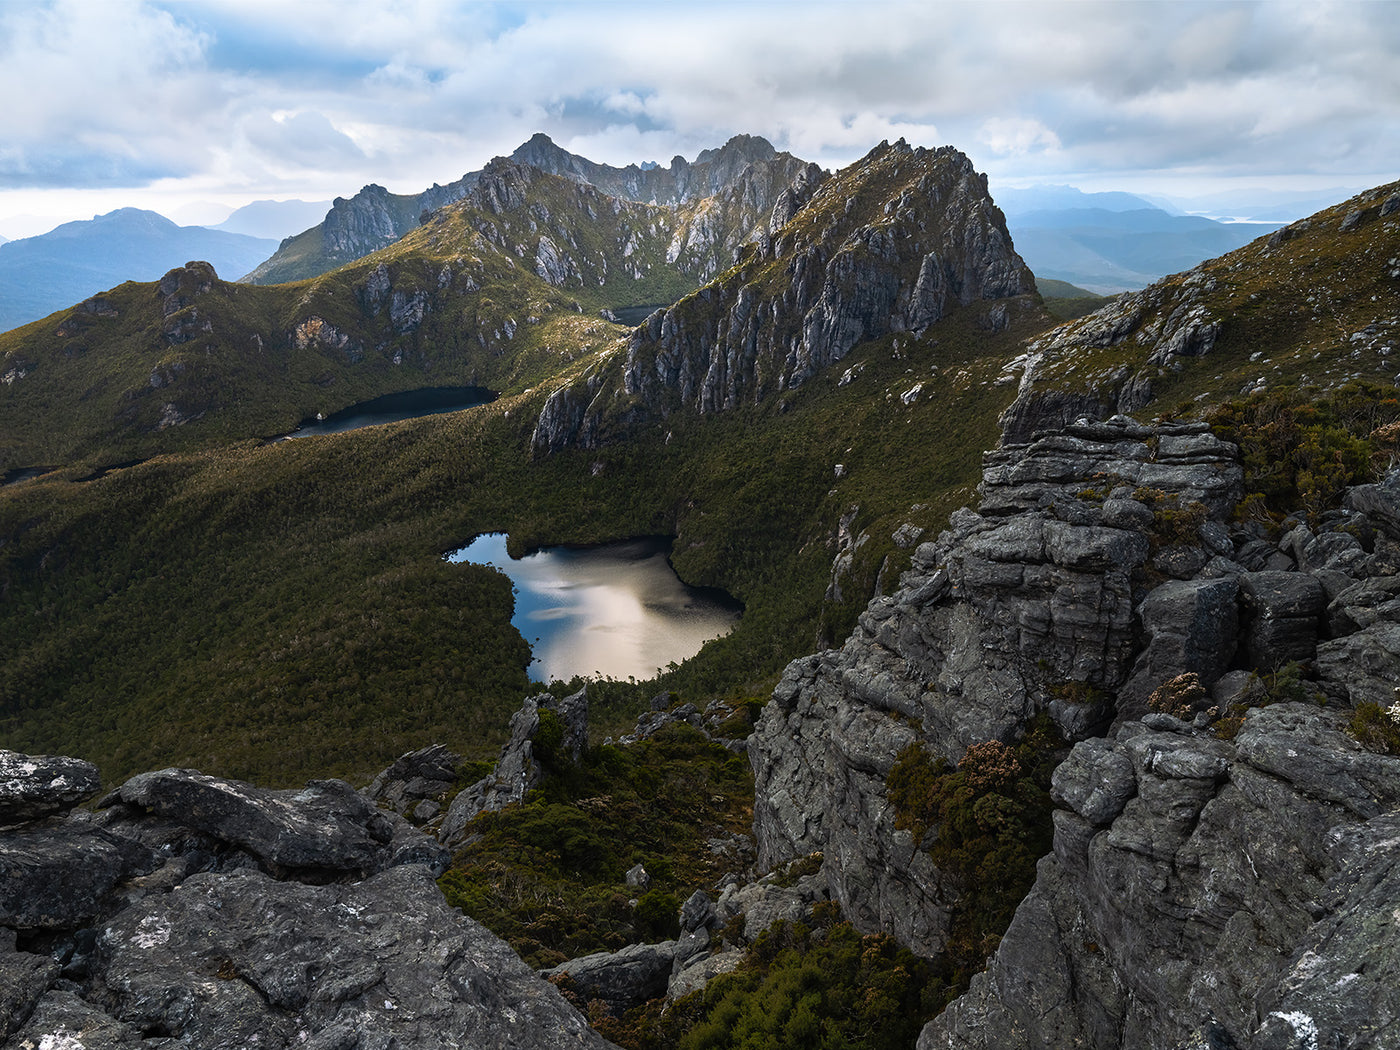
(391, 408)
(615, 611)
(635, 315)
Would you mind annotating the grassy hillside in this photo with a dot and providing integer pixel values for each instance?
(280, 611)
(1313, 304)
(501, 291)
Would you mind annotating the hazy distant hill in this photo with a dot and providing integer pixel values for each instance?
(39, 275)
(1017, 202)
(274, 219)
(1112, 242)
(1256, 204)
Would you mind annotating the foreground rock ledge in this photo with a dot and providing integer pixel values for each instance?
(198, 911)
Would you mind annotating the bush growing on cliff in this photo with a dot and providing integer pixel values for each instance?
(991, 815)
(1301, 449)
(1377, 728)
(547, 875)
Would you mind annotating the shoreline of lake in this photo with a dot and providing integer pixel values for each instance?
(391, 408)
(615, 610)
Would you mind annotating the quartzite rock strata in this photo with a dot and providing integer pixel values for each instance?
(1029, 605)
(198, 911)
(1203, 892)
(892, 244)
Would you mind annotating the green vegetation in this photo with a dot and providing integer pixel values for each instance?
(1066, 301)
(1377, 728)
(991, 816)
(1303, 447)
(1293, 311)
(548, 875)
(815, 984)
(281, 611)
(1286, 684)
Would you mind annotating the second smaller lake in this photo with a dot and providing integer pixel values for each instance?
(391, 408)
(614, 611)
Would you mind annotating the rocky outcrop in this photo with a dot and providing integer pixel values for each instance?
(746, 170)
(195, 910)
(1264, 313)
(354, 227)
(1208, 887)
(713, 172)
(1028, 606)
(518, 768)
(860, 259)
(416, 782)
(33, 787)
(1205, 892)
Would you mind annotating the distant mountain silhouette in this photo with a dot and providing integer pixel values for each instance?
(274, 219)
(39, 275)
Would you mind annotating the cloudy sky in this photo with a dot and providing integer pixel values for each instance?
(193, 107)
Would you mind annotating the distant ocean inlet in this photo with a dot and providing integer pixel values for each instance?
(612, 611)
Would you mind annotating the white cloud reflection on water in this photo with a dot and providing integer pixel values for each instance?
(616, 611)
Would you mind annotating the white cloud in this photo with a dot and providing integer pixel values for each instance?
(407, 92)
(1017, 136)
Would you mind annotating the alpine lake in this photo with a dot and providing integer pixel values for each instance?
(613, 611)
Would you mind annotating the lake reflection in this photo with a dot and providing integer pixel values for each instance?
(615, 611)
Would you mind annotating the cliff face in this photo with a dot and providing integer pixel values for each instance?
(1012, 609)
(892, 244)
(1204, 889)
(712, 173)
(1205, 892)
(354, 227)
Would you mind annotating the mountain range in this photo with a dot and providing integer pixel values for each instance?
(1088, 240)
(1057, 713)
(41, 274)
(274, 220)
(1113, 242)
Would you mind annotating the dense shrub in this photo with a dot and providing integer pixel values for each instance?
(1377, 728)
(802, 986)
(991, 815)
(1301, 449)
(548, 875)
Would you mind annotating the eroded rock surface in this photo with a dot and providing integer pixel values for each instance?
(859, 261)
(34, 786)
(1210, 893)
(200, 911)
(1028, 606)
(517, 769)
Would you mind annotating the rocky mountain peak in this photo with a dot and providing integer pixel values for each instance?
(891, 244)
(747, 148)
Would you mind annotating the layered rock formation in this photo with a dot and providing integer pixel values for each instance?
(355, 227)
(1026, 606)
(892, 244)
(713, 172)
(1204, 890)
(198, 911)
